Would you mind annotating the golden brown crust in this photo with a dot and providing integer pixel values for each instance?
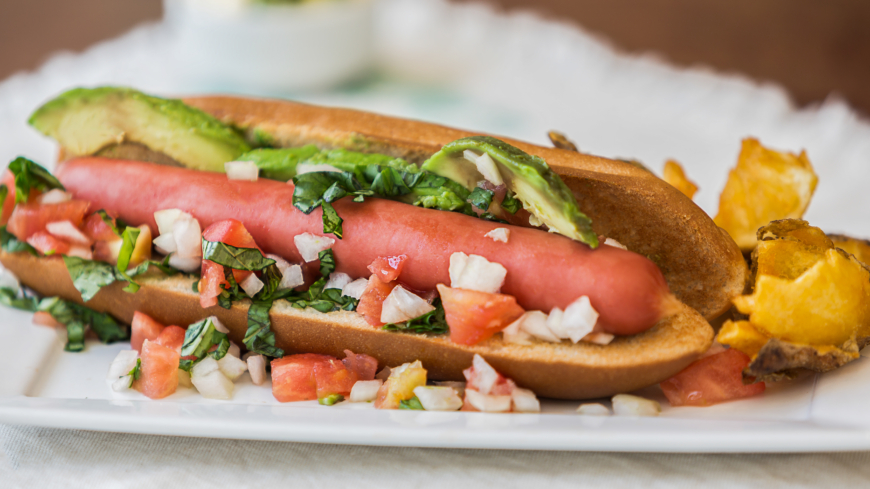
(701, 263)
(552, 370)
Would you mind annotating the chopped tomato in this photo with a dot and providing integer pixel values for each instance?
(171, 337)
(710, 380)
(364, 366)
(107, 251)
(9, 201)
(503, 386)
(231, 232)
(332, 377)
(210, 284)
(372, 300)
(43, 318)
(388, 268)
(293, 377)
(97, 229)
(474, 316)
(47, 244)
(159, 372)
(30, 218)
(143, 328)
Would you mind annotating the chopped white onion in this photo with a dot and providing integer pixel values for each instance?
(81, 251)
(54, 196)
(485, 376)
(241, 170)
(188, 237)
(218, 325)
(513, 334)
(257, 367)
(535, 324)
(310, 245)
(488, 403)
(165, 243)
(185, 264)
(459, 387)
(599, 338)
(499, 235)
(337, 280)
(166, 219)
(475, 272)
(232, 367)
(438, 398)
(304, 168)
(365, 390)
(122, 383)
(281, 263)
(534, 221)
(485, 165)
(123, 363)
(579, 319)
(292, 277)
(554, 323)
(251, 285)
(184, 378)
(234, 350)
(402, 305)
(68, 231)
(204, 367)
(593, 409)
(210, 381)
(614, 243)
(356, 288)
(628, 405)
(525, 401)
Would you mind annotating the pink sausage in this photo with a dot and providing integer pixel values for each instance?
(545, 270)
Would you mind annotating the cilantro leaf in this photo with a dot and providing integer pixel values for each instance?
(481, 198)
(259, 338)
(236, 258)
(200, 337)
(331, 221)
(89, 276)
(510, 203)
(30, 176)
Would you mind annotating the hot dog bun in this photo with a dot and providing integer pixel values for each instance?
(563, 370)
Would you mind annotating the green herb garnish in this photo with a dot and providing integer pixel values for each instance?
(30, 176)
(10, 244)
(431, 323)
(330, 399)
(136, 372)
(412, 403)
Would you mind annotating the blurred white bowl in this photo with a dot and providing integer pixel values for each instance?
(233, 45)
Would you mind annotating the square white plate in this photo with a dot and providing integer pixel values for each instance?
(43, 385)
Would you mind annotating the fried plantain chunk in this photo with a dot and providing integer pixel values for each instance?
(674, 175)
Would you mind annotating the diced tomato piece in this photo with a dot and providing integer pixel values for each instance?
(332, 377)
(503, 386)
(372, 301)
(293, 377)
(210, 283)
(171, 337)
(107, 251)
(143, 328)
(47, 244)
(30, 218)
(9, 201)
(474, 316)
(97, 229)
(710, 380)
(159, 372)
(241, 275)
(364, 366)
(231, 232)
(43, 318)
(388, 268)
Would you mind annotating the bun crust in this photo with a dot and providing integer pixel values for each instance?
(702, 264)
(557, 370)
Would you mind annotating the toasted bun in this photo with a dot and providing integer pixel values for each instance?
(558, 370)
(702, 264)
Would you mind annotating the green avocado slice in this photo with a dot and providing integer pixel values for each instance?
(538, 187)
(87, 120)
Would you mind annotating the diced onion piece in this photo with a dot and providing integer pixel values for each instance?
(122, 383)
(185, 264)
(485, 165)
(365, 390)
(68, 231)
(218, 325)
(123, 363)
(459, 387)
(554, 323)
(513, 333)
(241, 170)
(593, 409)
(81, 251)
(165, 243)
(475, 272)
(209, 381)
(257, 367)
(310, 245)
(628, 405)
(166, 219)
(251, 285)
(281, 263)
(402, 305)
(54, 196)
(525, 401)
(337, 280)
(234, 350)
(485, 376)
(488, 403)
(599, 338)
(614, 243)
(535, 324)
(303, 168)
(579, 319)
(184, 378)
(534, 221)
(188, 237)
(499, 235)
(355, 289)
(292, 277)
(232, 367)
(438, 398)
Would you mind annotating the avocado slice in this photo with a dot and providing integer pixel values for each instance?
(538, 187)
(87, 120)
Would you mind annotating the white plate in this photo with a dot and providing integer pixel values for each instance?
(43, 385)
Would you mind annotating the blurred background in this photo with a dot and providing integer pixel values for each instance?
(812, 48)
